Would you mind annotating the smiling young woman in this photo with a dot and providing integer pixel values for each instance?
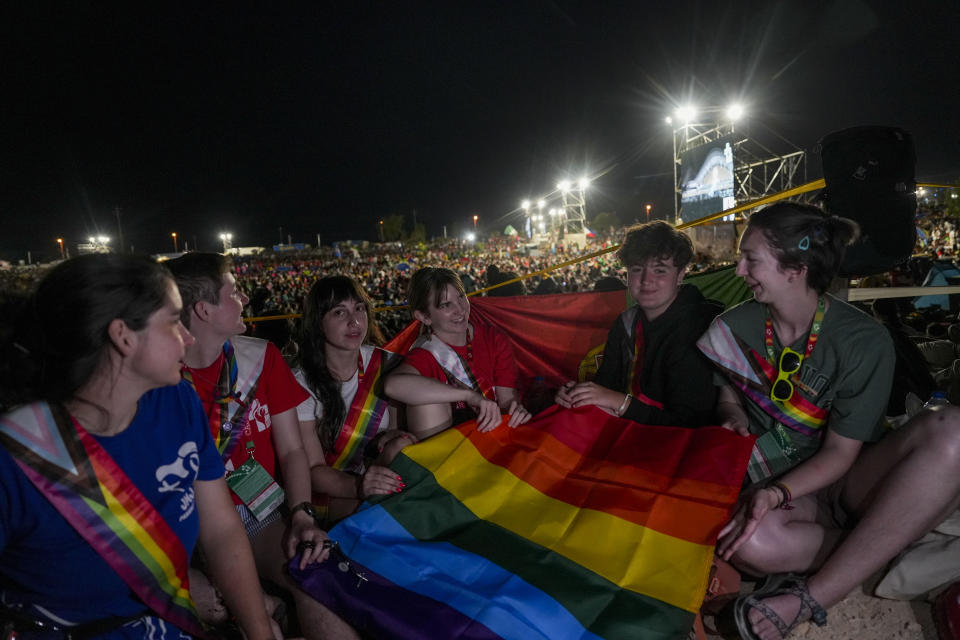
(458, 369)
(833, 495)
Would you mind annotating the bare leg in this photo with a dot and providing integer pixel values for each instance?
(900, 488)
(316, 621)
(797, 540)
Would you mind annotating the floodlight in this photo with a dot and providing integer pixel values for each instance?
(525, 205)
(735, 111)
(541, 204)
(564, 185)
(686, 113)
(583, 183)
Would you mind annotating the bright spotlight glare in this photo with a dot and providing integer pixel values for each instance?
(668, 120)
(583, 183)
(541, 204)
(91, 239)
(103, 239)
(471, 237)
(735, 111)
(564, 185)
(686, 113)
(525, 205)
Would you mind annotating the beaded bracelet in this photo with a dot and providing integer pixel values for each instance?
(623, 405)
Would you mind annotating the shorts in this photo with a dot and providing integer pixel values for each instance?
(253, 526)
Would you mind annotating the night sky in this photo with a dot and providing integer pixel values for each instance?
(325, 117)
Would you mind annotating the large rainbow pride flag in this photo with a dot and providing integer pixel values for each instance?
(576, 525)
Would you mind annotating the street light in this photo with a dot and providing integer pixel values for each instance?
(474, 221)
(381, 230)
(60, 242)
(174, 236)
(649, 207)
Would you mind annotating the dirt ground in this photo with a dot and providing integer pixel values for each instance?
(864, 617)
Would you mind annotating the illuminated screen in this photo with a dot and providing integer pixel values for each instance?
(706, 179)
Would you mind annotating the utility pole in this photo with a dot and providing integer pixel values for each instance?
(120, 243)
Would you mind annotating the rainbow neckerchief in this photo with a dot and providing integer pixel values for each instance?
(750, 371)
(453, 364)
(636, 366)
(90, 490)
(363, 419)
(239, 376)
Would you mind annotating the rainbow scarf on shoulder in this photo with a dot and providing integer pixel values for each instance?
(750, 371)
(363, 418)
(90, 490)
(243, 360)
(453, 364)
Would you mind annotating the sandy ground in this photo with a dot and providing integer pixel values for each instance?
(864, 617)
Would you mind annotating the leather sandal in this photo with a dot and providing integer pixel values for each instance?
(795, 586)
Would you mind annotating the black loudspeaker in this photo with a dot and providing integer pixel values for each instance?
(869, 175)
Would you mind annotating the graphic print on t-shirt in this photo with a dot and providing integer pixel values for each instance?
(179, 475)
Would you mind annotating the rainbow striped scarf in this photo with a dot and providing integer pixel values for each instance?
(576, 525)
(363, 419)
(752, 373)
(243, 360)
(80, 479)
(453, 364)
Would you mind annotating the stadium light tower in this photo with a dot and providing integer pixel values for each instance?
(573, 213)
(227, 240)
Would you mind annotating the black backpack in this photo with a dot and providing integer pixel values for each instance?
(869, 175)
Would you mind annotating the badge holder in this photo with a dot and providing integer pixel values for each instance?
(255, 487)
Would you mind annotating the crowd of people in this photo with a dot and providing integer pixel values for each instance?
(134, 402)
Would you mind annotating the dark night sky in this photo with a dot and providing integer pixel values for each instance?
(324, 117)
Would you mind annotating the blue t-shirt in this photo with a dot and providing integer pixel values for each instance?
(46, 563)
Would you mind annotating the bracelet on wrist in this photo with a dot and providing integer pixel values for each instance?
(624, 404)
(786, 497)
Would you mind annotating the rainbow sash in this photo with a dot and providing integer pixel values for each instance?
(90, 490)
(363, 419)
(456, 367)
(229, 414)
(752, 374)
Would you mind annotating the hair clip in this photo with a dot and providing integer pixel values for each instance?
(804, 243)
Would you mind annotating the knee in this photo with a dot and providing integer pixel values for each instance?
(762, 553)
(939, 433)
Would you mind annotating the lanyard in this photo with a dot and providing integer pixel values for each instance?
(811, 341)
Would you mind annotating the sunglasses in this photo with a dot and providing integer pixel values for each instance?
(782, 389)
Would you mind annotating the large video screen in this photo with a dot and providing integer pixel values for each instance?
(706, 179)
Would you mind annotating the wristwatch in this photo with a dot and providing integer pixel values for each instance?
(306, 507)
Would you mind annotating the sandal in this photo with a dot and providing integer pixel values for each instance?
(795, 586)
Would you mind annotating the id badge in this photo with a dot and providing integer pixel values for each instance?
(256, 488)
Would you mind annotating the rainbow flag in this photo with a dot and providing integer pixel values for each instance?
(576, 525)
